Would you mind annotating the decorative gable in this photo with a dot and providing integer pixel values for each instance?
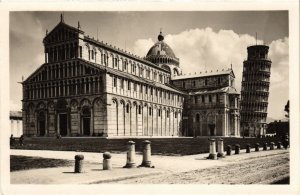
(61, 33)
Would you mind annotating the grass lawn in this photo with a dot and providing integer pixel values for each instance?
(18, 163)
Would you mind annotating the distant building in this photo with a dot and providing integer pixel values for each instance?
(16, 124)
(255, 91)
(279, 128)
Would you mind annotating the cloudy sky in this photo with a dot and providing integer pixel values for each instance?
(202, 41)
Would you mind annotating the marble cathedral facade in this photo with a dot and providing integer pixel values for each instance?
(90, 88)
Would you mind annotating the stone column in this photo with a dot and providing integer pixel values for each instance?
(272, 145)
(146, 154)
(256, 147)
(237, 149)
(265, 146)
(220, 148)
(279, 145)
(107, 161)
(79, 163)
(248, 148)
(130, 155)
(212, 149)
(92, 121)
(228, 150)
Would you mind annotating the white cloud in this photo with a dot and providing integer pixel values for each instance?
(142, 46)
(205, 49)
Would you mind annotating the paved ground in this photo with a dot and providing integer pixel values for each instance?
(168, 169)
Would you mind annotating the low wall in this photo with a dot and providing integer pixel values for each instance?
(167, 146)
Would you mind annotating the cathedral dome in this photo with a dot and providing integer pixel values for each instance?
(161, 48)
(162, 53)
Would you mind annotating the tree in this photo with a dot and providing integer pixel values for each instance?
(287, 109)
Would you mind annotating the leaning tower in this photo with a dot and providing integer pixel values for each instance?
(255, 91)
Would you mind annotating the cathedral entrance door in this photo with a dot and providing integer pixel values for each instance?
(63, 122)
(86, 121)
(212, 129)
(42, 124)
(86, 125)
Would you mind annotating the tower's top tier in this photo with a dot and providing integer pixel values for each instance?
(258, 52)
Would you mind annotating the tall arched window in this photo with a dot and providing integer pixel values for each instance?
(127, 108)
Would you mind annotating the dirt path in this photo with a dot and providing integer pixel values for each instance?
(259, 170)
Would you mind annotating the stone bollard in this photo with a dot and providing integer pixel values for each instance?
(220, 148)
(106, 161)
(265, 146)
(272, 145)
(237, 149)
(248, 148)
(256, 147)
(146, 154)
(212, 149)
(228, 150)
(278, 145)
(130, 155)
(79, 163)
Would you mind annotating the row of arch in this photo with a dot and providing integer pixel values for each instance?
(145, 91)
(160, 59)
(63, 71)
(124, 64)
(67, 118)
(61, 34)
(87, 85)
(143, 119)
(63, 51)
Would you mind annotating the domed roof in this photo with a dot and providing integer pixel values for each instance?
(161, 48)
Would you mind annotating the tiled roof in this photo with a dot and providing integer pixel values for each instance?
(229, 90)
(203, 74)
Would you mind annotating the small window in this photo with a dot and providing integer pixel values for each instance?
(219, 81)
(122, 83)
(195, 99)
(146, 89)
(141, 88)
(125, 65)
(127, 108)
(203, 99)
(159, 112)
(151, 91)
(168, 113)
(194, 83)
(175, 114)
(210, 98)
(129, 84)
(134, 87)
(115, 82)
(150, 110)
(205, 82)
(140, 110)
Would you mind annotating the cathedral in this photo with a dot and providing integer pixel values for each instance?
(90, 88)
